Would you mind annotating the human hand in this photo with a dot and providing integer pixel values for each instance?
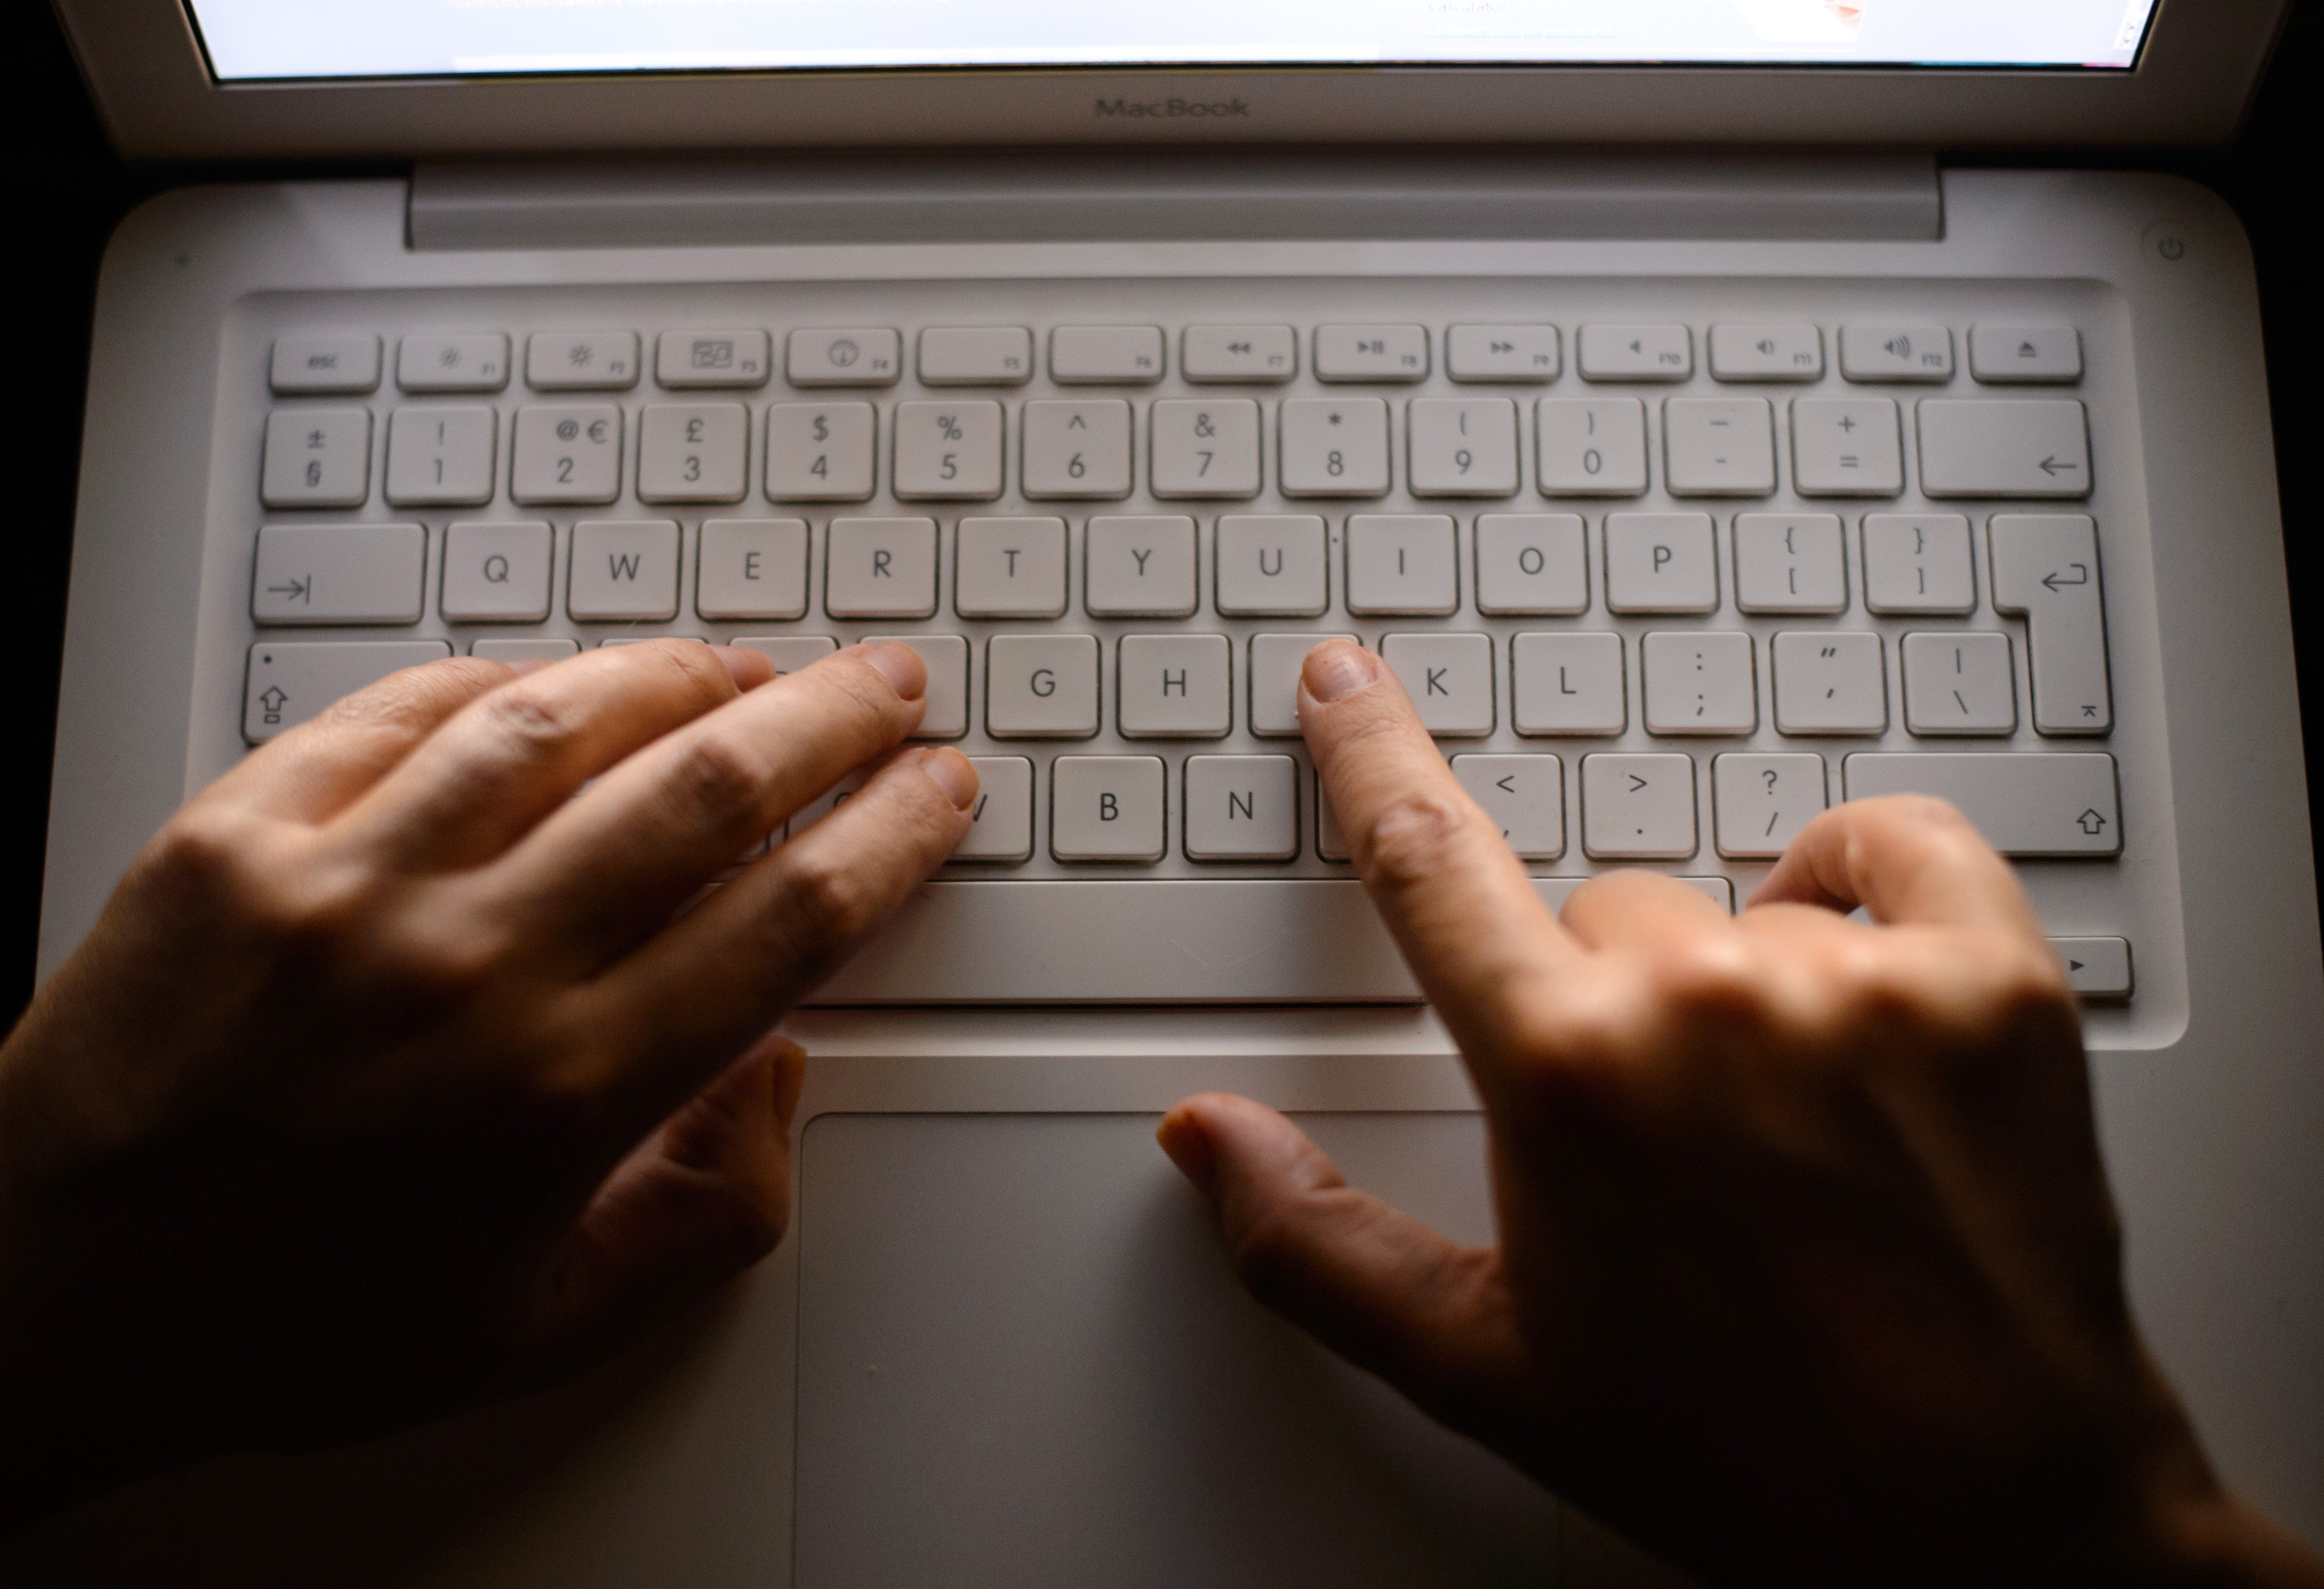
(390, 1080)
(1807, 1270)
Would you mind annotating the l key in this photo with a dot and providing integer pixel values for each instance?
(2045, 566)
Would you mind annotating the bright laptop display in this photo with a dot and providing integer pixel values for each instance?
(257, 40)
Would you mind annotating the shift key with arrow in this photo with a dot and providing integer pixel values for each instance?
(2046, 568)
(338, 574)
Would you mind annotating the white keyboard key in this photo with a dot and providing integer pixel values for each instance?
(976, 355)
(1140, 566)
(1918, 563)
(880, 568)
(1635, 352)
(2008, 354)
(525, 650)
(712, 358)
(1462, 446)
(1567, 684)
(1897, 353)
(496, 571)
(1767, 352)
(789, 652)
(2004, 447)
(2095, 968)
(1760, 802)
(287, 684)
(1077, 450)
(1402, 564)
(693, 452)
(1094, 355)
(624, 570)
(751, 569)
(623, 639)
(1960, 681)
(1271, 566)
(863, 355)
(1275, 661)
(1529, 563)
(581, 361)
(1591, 446)
(2024, 803)
(1001, 821)
(1009, 568)
(820, 451)
(1334, 447)
(1040, 687)
(1205, 446)
(1450, 678)
(946, 656)
(1661, 563)
(2045, 566)
(1847, 447)
(565, 453)
(317, 361)
(316, 457)
(1790, 563)
(1175, 686)
(1637, 808)
(1719, 447)
(441, 456)
(1242, 809)
(947, 451)
(1264, 355)
(1830, 681)
(1503, 353)
(1526, 795)
(1371, 353)
(472, 361)
(1106, 808)
(1699, 682)
(338, 574)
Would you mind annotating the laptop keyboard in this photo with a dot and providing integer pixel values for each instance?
(1663, 589)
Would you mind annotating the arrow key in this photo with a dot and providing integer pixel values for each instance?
(1526, 795)
(338, 574)
(2097, 967)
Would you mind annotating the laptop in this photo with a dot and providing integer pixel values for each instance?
(1698, 446)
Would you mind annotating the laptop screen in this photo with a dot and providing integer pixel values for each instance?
(280, 40)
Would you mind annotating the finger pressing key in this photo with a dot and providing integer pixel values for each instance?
(1904, 858)
(1449, 887)
(615, 860)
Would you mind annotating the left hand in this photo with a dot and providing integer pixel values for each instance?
(390, 1081)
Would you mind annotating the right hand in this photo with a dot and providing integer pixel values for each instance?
(1807, 1271)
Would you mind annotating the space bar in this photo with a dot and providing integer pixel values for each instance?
(1158, 941)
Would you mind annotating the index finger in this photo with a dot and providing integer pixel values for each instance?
(1451, 890)
(1905, 859)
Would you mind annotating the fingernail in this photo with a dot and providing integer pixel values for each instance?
(952, 773)
(1183, 1137)
(748, 668)
(901, 667)
(1336, 669)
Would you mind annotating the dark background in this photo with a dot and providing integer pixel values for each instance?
(67, 190)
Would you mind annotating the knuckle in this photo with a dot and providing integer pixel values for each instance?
(1713, 975)
(529, 719)
(698, 670)
(830, 902)
(1413, 838)
(719, 774)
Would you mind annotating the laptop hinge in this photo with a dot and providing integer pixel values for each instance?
(877, 196)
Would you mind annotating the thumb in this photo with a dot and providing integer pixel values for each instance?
(1431, 1317)
(703, 1198)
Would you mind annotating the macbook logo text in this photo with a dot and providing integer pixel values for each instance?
(1174, 109)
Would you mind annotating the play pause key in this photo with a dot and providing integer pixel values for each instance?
(2097, 967)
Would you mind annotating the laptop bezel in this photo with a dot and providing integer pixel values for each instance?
(152, 82)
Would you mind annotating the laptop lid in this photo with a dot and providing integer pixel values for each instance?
(275, 78)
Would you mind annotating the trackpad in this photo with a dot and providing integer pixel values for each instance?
(1023, 1360)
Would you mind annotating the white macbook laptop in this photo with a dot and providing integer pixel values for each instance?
(1698, 446)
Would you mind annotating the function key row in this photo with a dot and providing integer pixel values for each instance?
(1198, 448)
(344, 363)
